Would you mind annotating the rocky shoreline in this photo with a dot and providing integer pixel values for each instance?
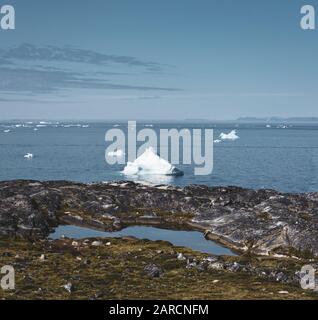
(256, 222)
(275, 234)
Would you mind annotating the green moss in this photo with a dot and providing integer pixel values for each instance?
(305, 216)
(117, 272)
(264, 216)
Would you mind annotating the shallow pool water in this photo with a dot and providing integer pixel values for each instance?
(191, 239)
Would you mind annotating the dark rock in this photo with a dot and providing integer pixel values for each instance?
(153, 270)
(198, 265)
(87, 261)
(234, 267)
(262, 222)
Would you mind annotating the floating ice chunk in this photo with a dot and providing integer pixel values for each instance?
(149, 163)
(229, 136)
(268, 126)
(6, 131)
(72, 125)
(217, 141)
(35, 129)
(28, 156)
(117, 153)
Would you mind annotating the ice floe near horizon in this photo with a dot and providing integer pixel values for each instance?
(229, 136)
(149, 163)
(217, 141)
(6, 131)
(73, 125)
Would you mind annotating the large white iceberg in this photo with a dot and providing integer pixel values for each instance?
(149, 163)
(229, 136)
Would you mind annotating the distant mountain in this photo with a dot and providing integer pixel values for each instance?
(278, 119)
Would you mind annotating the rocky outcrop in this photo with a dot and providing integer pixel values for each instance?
(263, 222)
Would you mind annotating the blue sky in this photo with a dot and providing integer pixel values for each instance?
(167, 59)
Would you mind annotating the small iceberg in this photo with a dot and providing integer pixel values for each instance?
(149, 163)
(117, 153)
(217, 141)
(6, 131)
(28, 156)
(229, 136)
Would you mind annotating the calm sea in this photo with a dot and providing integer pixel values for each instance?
(278, 157)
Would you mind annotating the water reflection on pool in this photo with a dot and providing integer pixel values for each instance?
(190, 239)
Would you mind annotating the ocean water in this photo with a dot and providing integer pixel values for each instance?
(285, 159)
